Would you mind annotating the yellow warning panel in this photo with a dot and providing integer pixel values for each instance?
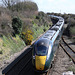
(40, 62)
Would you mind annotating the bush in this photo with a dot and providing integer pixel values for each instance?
(1, 52)
(5, 24)
(25, 6)
(72, 22)
(17, 25)
(41, 14)
(37, 17)
(72, 31)
(27, 37)
(72, 68)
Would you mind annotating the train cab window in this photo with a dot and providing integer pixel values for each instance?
(54, 29)
(41, 47)
(47, 35)
(41, 50)
(58, 24)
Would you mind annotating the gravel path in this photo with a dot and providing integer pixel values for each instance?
(6, 62)
(69, 42)
(62, 62)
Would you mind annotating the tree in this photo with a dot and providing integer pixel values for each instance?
(9, 3)
(17, 25)
(25, 6)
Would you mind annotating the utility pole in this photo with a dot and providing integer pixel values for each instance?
(60, 11)
(69, 26)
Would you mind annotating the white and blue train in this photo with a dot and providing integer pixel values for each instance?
(45, 47)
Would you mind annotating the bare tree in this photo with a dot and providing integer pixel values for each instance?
(9, 3)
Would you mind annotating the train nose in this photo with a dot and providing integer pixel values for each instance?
(40, 62)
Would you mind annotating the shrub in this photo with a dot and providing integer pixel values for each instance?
(72, 68)
(41, 14)
(17, 25)
(37, 17)
(44, 29)
(72, 22)
(72, 31)
(25, 6)
(1, 52)
(5, 24)
(27, 37)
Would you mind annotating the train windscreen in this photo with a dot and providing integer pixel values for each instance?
(41, 50)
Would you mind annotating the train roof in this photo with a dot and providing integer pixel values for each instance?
(44, 42)
(48, 35)
(53, 30)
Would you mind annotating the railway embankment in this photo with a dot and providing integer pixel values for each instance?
(13, 57)
(63, 62)
(70, 42)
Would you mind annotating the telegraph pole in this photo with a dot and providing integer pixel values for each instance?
(69, 26)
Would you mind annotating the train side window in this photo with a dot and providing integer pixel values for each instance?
(54, 29)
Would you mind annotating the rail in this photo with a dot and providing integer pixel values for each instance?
(18, 64)
(70, 52)
(22, 65)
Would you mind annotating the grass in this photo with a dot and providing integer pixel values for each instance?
(38, 30)
(15, 44)
(72, 31)
(72, 68)
(10, 45)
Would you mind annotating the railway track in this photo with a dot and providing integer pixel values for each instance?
(52, 65)
(70, 52)
(23, 62)
(46, 73)
(22, 65)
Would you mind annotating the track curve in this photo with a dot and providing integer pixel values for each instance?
(70, 52)
(23, 65)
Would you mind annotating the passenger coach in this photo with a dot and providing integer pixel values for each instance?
(45, 47)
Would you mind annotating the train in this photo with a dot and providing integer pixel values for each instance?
(46, 46)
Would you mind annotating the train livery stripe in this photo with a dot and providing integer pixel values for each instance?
(40, 62)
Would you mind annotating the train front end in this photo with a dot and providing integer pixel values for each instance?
(41, 55)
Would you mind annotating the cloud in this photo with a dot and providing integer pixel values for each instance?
(67, 6)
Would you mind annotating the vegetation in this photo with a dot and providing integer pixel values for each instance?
(27, 36)
(17, 25)
(72, 68)
(24, 6)
(15, 44)
(72, 29)
(10, 45)
(38, 30)
(70, 20)
(20, 24)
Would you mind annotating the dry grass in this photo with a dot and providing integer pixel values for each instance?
(5, 51)
(9, 46)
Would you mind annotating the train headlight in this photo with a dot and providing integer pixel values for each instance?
(33, 57)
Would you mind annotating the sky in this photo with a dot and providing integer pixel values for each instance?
(57, 6)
